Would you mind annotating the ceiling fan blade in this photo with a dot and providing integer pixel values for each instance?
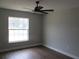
(43, 12)
(48, 10)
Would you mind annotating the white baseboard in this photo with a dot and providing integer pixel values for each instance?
(62, 52)
(31, 45)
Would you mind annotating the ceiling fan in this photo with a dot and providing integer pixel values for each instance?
(40, 8)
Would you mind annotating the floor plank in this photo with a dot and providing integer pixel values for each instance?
(39, 52)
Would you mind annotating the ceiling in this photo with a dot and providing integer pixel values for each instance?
(27, 5)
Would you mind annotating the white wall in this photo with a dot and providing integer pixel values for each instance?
(35, 29)
(61, 31)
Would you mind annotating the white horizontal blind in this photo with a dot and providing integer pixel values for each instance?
(18, 29)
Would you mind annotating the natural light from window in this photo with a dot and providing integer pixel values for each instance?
(18, 29)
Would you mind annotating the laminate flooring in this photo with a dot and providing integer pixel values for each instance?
(38, 52)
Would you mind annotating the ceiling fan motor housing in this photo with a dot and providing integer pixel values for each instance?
(38, 8)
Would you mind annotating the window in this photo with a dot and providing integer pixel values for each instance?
(18, 29)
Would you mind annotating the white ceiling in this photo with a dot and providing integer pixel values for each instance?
(27, 5)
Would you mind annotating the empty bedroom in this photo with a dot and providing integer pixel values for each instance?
(39, 29)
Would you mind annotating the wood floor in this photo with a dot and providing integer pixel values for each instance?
(38, 52)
